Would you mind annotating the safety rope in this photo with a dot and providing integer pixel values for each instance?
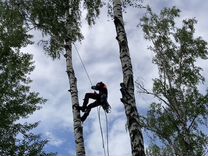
(101, 130)
(106, 120)
(88, 76)
(98, 109)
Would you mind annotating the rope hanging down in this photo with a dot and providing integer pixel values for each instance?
(98, 109)
(101, 130)
(106, 119)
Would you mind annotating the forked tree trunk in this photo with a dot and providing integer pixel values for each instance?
(78, 130)
(127, 87)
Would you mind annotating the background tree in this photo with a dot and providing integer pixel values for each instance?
(17, 101)
(179, 117)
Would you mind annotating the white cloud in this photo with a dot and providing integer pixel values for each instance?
(53, 140)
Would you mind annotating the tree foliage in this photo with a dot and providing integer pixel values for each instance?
(180, 117)
(50, 18)
(60, 20)
(17, 101)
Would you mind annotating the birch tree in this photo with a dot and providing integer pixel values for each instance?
(61, 21)
(127, 86)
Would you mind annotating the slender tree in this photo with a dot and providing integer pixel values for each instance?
(127, 87)
(74, 92)
(60, 20)
(17, 101)
(180, 115)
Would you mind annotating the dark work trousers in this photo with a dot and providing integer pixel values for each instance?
(88, 108)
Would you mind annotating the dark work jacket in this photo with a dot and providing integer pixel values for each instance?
(103, 92)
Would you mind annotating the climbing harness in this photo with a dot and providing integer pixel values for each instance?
(106, 108)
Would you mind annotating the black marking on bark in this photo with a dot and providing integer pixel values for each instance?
(118, 22)
(124, 91)
(67, 39)
(66, 47)
(79, 130)
(124, 42)
(126, 68)
(130, 80)
(65, 55)
(70, 73)
(123, 100)
(125, 55)
(75, 107)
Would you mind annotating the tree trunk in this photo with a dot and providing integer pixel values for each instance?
(78, 130)
(127, 87)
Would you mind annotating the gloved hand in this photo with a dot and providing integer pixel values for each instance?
(93, 87)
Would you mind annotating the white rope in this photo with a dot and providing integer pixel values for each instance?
(106, 120)
(101, 130)
(88, 76)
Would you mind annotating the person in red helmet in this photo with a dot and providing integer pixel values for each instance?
(100, 100)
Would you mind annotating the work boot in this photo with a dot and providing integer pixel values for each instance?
(85, 115)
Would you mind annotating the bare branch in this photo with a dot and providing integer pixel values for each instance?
(143, 90)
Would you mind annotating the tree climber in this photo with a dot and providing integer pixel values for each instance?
(100, 100)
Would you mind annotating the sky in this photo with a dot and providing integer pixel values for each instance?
(100, 53)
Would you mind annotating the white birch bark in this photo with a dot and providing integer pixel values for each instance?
(127, 87)
(78, 129)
